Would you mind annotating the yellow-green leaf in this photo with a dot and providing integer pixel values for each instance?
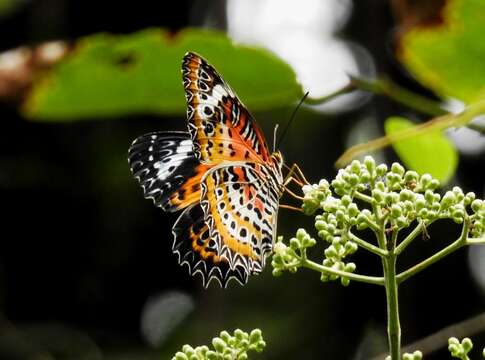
(114, 75)
(431, 153)
(449, 58)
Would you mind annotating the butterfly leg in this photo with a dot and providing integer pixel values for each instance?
(289, 207)
(298, 197)
(295, 174)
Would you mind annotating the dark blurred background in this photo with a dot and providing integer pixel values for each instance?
(86, 268)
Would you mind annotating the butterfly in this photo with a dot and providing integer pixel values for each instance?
(220, 173)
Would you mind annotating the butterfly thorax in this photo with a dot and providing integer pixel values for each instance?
(277, 170)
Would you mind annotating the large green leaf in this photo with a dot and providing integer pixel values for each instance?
(449, 58)
(431, 153)
(108, 75)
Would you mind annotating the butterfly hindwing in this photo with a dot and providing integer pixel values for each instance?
(220, 126)
(240, 206)
(195, 248)
(166, 167)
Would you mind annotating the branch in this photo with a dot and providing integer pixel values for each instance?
(365, 245)
(384, 86)
(457, 244)
(356, 277)
(417, 230)
(436, 124)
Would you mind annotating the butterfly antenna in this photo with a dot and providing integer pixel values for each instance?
(275, 130)
(291, 120)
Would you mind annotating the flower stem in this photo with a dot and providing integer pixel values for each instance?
(417, 230)
(458, 243)
(365, 245)
(393, 324)
(328, 270)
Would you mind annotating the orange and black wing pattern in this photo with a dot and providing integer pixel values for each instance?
(220, 173)
(222, 129)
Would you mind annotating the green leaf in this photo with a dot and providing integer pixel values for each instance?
(431, 153)
(110, 76)
(449, 57)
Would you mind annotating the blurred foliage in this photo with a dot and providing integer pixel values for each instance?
(6, 6)
(109, 76)
(225, 347)
(431, 153)
(449, 58)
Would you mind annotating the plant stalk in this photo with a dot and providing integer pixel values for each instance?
(393, 324)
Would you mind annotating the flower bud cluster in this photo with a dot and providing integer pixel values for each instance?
(417, 355)
(314, 195)
(368, 196)
(477, 218)
(401, 197)
(226, 347)
(459, 349)
(289, 257)
(333, 226)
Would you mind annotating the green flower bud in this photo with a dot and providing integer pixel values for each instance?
(219, 344)
(477, 205)
(411, 176)
(350, 247)
(381, 170)
(353, 179)
(345, 281)
(408, 205)
(397, 169)
(425, 180)
(355, 167)
(423, 213)
(417, 355)
(350, 267)
(346, 200)
(378, 195)
(331, 228)
(401, 222)
(369, 164)
(448, 199)
(320, 225)
(294, 243)
(353, 210)
(459, 193)
(365, 176)
(396, 211)
(180, 356)
(434, 184)
(429, 196)
(381, 186)
(406, 194)
(187, 349)
(330, 252)
(467, 344)
(469, 197)
(255, 336)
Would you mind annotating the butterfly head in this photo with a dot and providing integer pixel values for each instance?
(277, 158)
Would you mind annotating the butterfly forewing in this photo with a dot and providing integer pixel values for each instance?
(220, 126)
